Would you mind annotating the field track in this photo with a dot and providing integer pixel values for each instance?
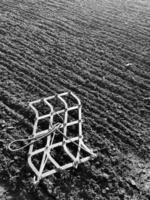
(100, 50)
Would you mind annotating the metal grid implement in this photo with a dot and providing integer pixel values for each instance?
(60, 126)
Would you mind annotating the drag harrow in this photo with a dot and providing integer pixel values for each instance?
(63, 146)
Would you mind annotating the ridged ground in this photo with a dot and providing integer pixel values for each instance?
(100, 50)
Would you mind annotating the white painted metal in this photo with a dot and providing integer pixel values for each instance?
(62, 129)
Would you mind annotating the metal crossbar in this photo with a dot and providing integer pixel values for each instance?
(63, 112)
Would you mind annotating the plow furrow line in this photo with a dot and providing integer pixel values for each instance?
(120, 28)
(30, 75)
(111, 131)
(20, 119)
(25, 78)
(25, 61)
(23, 82)
(8, 99)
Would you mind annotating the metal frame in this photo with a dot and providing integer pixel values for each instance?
(49, 143)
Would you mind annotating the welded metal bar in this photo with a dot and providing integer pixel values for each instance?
(66, 140)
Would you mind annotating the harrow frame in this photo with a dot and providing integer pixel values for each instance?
(66, 140)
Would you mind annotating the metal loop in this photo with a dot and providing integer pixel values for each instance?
(33, 139)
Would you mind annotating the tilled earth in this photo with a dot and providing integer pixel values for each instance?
(100, 50)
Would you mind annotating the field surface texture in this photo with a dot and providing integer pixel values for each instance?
(100, 50)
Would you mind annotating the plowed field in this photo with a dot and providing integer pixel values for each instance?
(100, 50)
